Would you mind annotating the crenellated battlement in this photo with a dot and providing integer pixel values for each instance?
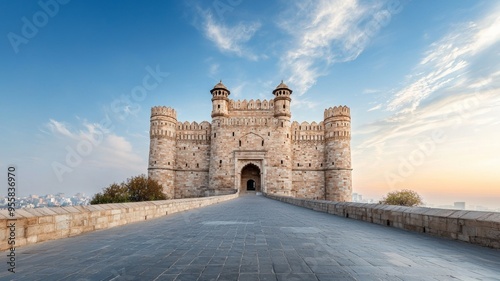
(341, 110)
(251, 104)
(163, 111)
(305, 126)
(192, 131)
(306, 131)
(194, 126)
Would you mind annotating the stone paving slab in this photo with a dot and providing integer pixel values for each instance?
(254, 238)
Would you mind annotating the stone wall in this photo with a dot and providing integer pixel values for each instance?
(308, 184)
(475, 227)
(42, 224)
(191, 173)
(191, 183)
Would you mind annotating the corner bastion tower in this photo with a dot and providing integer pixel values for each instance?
(252, 146)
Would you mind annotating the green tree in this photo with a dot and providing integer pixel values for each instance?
(403, 197)
(141, 188)
(135, 189)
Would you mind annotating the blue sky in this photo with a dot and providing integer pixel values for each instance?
(421, 78)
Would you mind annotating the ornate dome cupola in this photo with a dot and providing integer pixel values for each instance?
(220, 100)
(282, 100)
(220, 91)
(283, 88)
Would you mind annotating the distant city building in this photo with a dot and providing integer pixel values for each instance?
(357, 197)
(49, 200)
(459, 205)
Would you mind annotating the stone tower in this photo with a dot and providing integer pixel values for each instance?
(338, 179)
(219, 147)
(280, 148)
(162, 148)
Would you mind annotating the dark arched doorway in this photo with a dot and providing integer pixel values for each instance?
(250, 185)
(250, 178)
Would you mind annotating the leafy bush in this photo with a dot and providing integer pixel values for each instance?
(403, 197)
(135, 189)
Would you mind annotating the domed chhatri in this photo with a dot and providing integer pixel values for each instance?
(282, 86)
(220, 90)
(220, 86)
(252, 146)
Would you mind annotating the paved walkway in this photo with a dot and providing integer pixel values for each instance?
(254, 238)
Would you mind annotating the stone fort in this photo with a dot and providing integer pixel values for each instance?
(252, 146)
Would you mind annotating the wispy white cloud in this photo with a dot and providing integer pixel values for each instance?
(326, 32)
(105, 149)
(370, 91)
(452, 89)
(230, 39)
(303, 103)
(446, 62)
(59, 128)
(238, 89)
(376, 107)
(213, 70)
(462, 110)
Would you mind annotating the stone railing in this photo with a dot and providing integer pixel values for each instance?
(475, 227)
(42, 224)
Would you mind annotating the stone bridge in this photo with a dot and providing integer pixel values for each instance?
(253, 238)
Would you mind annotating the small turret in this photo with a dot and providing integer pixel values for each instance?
(220, 100)
(282, 100)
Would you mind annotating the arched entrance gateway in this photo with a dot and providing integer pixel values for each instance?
(250, 178)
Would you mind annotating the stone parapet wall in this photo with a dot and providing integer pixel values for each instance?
(42, 224)
(475, 227)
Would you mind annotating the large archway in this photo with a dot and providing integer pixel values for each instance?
(250, 179)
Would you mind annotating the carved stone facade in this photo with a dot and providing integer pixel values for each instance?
(252, 145)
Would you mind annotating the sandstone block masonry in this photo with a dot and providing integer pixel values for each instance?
(252, 146)
(475, 227)
(42, 224)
